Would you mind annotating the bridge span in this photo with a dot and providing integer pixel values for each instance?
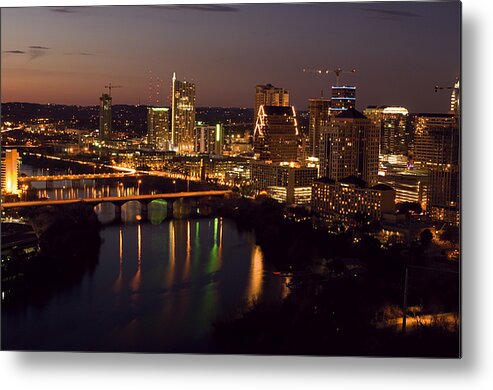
(117, 199)
(86, 176)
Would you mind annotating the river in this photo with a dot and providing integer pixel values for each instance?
(156, 288)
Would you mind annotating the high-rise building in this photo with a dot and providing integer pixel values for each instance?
(455, 98)
(209, 139)
(349, 147)
(158, 128)
(105, 120)
(394, 128)
(10, 171)
(268, 95)
(319, 111)
(436, 148)
(276, 134)
(183, 115)
(343, 98)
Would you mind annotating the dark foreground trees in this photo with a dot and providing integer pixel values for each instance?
(339, 314)
(69, 245)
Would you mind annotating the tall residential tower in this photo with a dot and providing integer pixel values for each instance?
(343, 98)
(349, 147)
(182, 115)
(268, 95)
(319, 110)
(158, 128)
(436, 148)
(276, 134)
(10, 171)
(105, 117)
(394, 128)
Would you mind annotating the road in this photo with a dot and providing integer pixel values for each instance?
(87, 176)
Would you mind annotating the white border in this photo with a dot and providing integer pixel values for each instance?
(133, 371)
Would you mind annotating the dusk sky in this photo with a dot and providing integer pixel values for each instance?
(67, 55)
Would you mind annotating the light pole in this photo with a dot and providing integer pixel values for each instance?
(406, 281)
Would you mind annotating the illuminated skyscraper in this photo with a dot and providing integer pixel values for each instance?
(209, 139)
(349, 147)
(276, 134)
(182, 115)
(394, 128)
(105, 117)
(455, 99)
(158, 128)
(319, 110)
(10, 171)
(436, 148)
(343, 98)
(268, 95)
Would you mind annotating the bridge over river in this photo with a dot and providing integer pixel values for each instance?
(177, 203)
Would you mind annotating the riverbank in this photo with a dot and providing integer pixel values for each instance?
(68, 241)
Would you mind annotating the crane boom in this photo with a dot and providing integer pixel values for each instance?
(111, 86)
(337, 72)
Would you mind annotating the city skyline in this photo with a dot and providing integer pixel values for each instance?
(52, 68)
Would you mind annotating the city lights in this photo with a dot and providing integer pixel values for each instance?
(232, 208)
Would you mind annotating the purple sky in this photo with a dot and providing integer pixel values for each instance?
(400, 50)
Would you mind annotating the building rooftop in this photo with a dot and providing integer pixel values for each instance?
(350, 180)
(278, 110)
(353, 180)
(324, 180)
(351, 113)
(432, 115)
(382, 187)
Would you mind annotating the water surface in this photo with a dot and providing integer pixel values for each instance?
(157, 287)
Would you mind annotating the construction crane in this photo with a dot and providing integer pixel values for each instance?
(337, 72)
(111, 86)
(455, 98)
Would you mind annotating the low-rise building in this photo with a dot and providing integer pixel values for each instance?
(350, 199)
(286, 183)
(410, 185)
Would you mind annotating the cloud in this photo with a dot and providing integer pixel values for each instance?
(388, 14)
(14, 52)
(198, 7)
(36, 53)
(39, 47)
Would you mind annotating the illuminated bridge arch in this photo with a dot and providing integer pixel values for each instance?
(106, 211)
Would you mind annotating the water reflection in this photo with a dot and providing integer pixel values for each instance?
(215, 254)
(157, 211)
(172, 255)
(137, 279)
(131, 211)
(158, 288)
(186, 272)
(256, 277)
(87, 189)
(105, 212)
(119, 280)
